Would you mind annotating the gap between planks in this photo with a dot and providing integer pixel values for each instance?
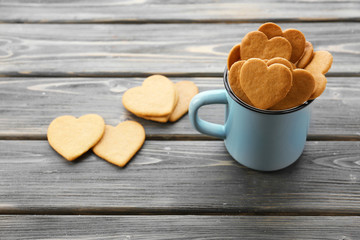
(157, 211)
(188, 21)
(142, 74)
(189, 137)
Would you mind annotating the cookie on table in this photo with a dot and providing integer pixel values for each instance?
(186, 90)
(71, 137)
(156, 97)
(162, 119)
(119, 144)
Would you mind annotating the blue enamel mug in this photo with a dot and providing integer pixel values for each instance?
(262, 140)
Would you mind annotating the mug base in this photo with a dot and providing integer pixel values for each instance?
(266, 165)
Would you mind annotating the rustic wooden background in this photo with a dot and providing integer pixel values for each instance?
(78, 57)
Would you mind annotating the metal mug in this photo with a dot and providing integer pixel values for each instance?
(262, 140)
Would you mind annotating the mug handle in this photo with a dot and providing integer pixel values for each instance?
(207, 98)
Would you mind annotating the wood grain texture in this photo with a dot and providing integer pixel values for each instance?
(178, 227)
(28, 105)
(139, 49)
(178, 177)
(181, 11)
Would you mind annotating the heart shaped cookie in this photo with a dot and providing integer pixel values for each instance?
(256, 45)
(301, 90)
(119, 144)
(280, 60)
(271, 30)
(319, 65)
(162, 119)
(186, 90)
(265, 86)
(234, 81)
(307, 56)
(156, 97)
(294, 36)
(320, 85)
(234, 56)
(297, 41)
(71, 137)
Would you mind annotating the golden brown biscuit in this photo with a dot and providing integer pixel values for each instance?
(320, 85)
(281, 61)
(307, 56)
(297, 41)
(271, 30)
(156, 97)
(319, 65)
(295, 37)
(265, 86)
(72, 137)
(234, 81)
(256, 45)
(302, 88)
(186, 90)
(234, 56)
(119, 144)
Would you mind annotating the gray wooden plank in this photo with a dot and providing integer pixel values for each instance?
(178, 227)
(178, 177)
(28, 105)
(133, 49)
(154, 10)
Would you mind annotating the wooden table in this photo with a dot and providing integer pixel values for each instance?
(79, 57)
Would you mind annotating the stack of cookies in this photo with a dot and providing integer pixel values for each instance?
(159, 99)
(276, 70)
